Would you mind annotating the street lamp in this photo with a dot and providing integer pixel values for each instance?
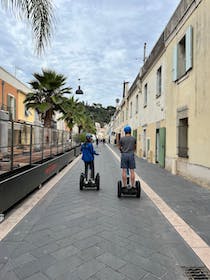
(79, 91)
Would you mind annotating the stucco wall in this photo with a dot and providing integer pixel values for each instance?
(192, 91)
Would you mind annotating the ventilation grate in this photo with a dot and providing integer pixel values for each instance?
(197, 273)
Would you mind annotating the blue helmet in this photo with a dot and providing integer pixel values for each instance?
(88, 136)
(127, 129)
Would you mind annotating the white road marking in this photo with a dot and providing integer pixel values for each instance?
(18, 214)
(198, 245)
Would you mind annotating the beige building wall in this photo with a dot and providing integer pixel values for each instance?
(152, 114)
(191, 92)
(23, 115)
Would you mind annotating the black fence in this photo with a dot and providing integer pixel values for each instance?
(29, 156)
(23, 144)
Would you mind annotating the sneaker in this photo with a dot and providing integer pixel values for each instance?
(92, 181)
(86, 181)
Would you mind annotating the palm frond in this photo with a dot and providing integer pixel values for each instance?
(40, 14)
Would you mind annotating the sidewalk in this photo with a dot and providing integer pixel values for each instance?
(93, 235)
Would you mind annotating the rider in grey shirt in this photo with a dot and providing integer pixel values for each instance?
(127, 146)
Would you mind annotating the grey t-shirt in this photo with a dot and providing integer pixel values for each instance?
(128, 144)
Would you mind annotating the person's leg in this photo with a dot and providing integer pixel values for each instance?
(86, 170)
(124, 177)
(132, 166)
(132, 177)
(92, 170)
(123, 165)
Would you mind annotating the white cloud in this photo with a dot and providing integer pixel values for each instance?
(96, 41)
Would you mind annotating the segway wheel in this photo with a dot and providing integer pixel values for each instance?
(97, 180)
(81, 181)
(138, 189)
(119, 188)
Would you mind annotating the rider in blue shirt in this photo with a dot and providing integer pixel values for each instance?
(88, 153)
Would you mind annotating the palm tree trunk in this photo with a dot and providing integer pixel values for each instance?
(48, 119)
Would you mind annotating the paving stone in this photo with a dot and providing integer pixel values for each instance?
(108, 273)
(10, 275)
(88, 269)
(38, 276)
(65, 252)
(33, 267)
(112, 261)
(133, 271)
(90, 253)
(63, 266)
(23, 259)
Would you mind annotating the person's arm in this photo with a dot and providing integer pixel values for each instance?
(120, 146)
(92, 150)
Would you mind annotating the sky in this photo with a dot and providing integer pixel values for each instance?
(97, 44)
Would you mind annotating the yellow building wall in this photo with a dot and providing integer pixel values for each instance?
(139, 148)
(21, 109)
(192, 91)
(151, 135)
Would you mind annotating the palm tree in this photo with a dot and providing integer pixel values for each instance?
(48, 94)
(74, 113)
(39, 13)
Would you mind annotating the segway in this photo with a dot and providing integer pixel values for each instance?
(128, 189)
(89, 184)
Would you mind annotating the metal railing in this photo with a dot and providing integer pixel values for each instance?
(24, 144)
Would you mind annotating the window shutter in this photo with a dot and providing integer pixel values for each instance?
(189, 48)
(175, 64)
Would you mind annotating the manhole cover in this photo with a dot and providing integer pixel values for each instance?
(197, 273)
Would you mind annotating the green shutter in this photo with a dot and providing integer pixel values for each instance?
(162, 146)
(188, 48)
(175, 64)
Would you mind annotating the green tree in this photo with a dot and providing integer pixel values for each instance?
(39, 14)
(48, 94)
(75, 113)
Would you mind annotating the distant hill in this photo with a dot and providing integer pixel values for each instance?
(100, 114)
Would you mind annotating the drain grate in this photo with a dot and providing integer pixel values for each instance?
(197, 273)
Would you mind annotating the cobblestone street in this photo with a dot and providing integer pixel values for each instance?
(94, 235)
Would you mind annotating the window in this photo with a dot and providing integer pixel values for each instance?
(145, 95)
(183, 138)
(182, 55)
(131, 108)
(137, 104)
(159, 82)
(11, 104)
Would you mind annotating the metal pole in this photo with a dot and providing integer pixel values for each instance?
(57, 139)
(51, 138)
(31, 144)
(12, 144)
(43, 144)
(62, 141)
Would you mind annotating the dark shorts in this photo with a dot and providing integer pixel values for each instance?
(128, 161)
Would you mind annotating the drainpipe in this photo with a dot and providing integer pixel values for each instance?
(145, 47)
(2, 103)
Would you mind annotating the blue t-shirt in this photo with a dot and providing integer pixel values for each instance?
(87, 152)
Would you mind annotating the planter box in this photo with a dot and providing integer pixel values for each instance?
(19, 185)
